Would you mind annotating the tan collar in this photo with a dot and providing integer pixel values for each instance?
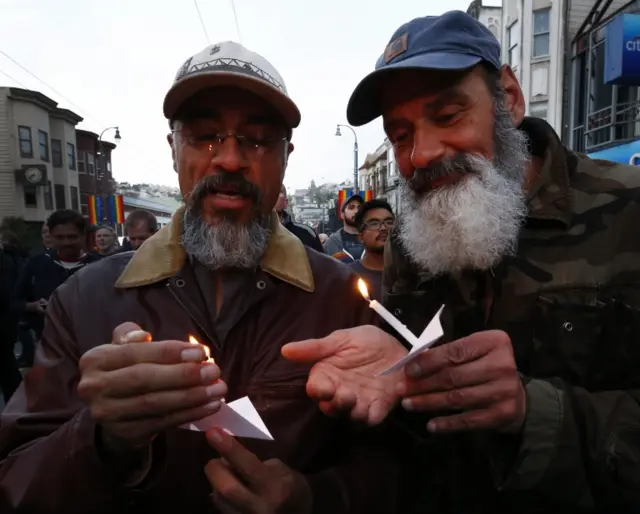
(162, 257)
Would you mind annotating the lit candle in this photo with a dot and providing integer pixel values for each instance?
(387, 316)
(207, 352)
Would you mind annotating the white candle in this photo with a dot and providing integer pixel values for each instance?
(387, 316)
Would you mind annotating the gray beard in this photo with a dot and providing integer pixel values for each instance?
(476, 222)
(227, 244)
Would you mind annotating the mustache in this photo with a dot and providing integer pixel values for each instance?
(422, 177)
(230, 181)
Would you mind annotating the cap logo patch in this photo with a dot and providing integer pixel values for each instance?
(397, 47)
(215, 50)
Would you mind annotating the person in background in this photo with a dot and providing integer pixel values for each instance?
(303, 232)
(46, 237)
(345, 244)
(11, 262)
(43, 273)
(139, 226)
(374, 220)
(106, 241)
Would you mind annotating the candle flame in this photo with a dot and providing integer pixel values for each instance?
(207, 352)
(362, 285)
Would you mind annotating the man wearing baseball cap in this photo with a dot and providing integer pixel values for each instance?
(105, 422)
(345, 244)
(530, 402)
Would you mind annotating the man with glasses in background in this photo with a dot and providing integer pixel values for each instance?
(374, 221)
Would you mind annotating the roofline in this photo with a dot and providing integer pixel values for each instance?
(43, 101)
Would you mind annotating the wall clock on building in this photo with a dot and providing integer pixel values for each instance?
(33, 175)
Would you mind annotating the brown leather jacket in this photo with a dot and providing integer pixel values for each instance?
(50, 463)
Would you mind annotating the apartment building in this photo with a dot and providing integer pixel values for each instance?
(38, 167)
(489, 15)
(95, 176)
(533, 37)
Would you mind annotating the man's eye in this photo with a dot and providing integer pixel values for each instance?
(400, 138)
(444, 118)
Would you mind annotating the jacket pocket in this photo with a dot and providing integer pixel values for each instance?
(567, 327)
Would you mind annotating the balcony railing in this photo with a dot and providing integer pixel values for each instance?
(606, 126)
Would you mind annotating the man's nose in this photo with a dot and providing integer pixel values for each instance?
(229, 155)
(427, 148)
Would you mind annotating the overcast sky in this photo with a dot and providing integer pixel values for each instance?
(114, 62)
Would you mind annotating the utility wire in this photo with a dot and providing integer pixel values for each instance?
(51, 88)
(195, 2)
(235, 15)
(15, 80)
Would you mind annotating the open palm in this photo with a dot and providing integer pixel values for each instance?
(344, 376)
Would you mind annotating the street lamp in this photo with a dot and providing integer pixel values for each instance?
(355, 154)
(117, 137)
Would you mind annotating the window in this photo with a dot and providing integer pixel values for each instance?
(81, 168)
(84, 204)
(513, 38)
(75, 202)
(91, 164)
(30, 196)
(61, 200)
(56, 153)
(48, 196)
(26, 146)
(541, 32)
(71, 156)
(43, 140)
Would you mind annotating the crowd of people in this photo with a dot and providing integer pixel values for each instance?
(29, 282)
(529, 402)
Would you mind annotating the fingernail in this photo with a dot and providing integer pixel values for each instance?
(401, 389)
(432, 427)
(215, 435)
(193, 355)
(138, 336)
(407, 404)
(218, 389)
(413, 370)
(209, 372)
(213, 406)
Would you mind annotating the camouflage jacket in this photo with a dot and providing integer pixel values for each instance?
(570, 301)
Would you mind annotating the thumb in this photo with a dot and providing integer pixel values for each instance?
(313, 350)
(129, 332)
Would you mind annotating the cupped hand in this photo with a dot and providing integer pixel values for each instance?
(136, 389)
(344, 375)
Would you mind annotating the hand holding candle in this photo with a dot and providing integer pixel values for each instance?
(136, 389)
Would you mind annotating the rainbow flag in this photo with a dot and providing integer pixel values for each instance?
(343, 194)
(95, 205)
(115, 204)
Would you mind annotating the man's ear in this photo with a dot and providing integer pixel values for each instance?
(288, 149)
(514, 98)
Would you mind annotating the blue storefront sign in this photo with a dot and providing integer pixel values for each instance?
(628, 153)
(622, 50)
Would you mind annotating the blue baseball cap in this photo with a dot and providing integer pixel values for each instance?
(452, 41)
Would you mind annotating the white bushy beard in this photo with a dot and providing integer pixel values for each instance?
(228, 243)
(476, 222)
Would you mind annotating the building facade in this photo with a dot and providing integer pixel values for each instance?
(95, 175)
(489, 15)
(603, 110)
(38, 161)
(379, 173)
(533, 44)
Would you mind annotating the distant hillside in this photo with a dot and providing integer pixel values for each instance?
(167, 195)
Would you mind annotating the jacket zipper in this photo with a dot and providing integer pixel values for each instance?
(214, 342)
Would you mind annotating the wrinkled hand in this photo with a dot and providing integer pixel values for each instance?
(343, 378)
(476, 375)
(136, 389)
(244, 484)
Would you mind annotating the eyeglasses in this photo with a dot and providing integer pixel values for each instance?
(377, 224)
(251, 146)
